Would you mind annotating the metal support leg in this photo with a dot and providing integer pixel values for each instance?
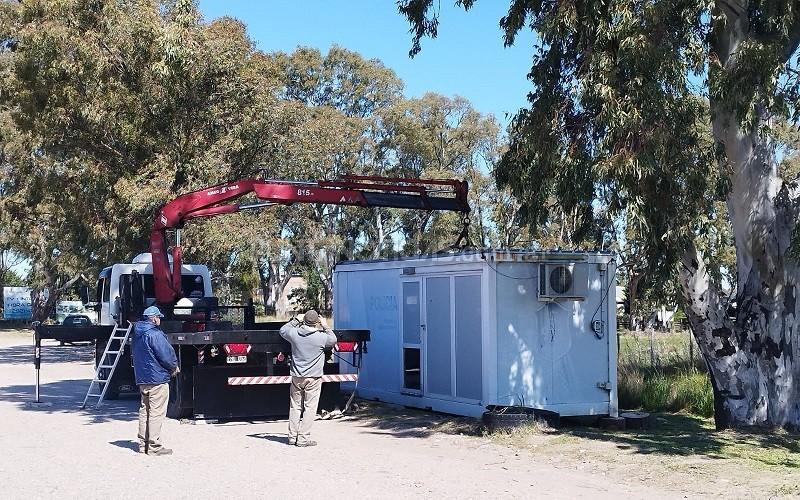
(37, 360)
(37, 364)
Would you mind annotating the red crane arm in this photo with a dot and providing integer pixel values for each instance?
(362, 191)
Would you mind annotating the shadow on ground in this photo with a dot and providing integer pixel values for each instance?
(52, 352)
(275, 438)
(127, 444)
(66, 396)
(400, 422)
(685, 435)
(669, 434)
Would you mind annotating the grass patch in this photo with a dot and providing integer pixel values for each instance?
(661, 374)
(688, 435)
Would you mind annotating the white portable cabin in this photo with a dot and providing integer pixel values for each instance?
(457, 332)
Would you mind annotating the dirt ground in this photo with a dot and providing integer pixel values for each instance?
(61, 451)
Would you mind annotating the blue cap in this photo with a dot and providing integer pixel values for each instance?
(152, 311)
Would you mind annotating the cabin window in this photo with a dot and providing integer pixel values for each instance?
(192, 286)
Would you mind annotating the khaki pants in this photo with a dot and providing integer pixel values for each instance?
(152, 411)
(303, 395)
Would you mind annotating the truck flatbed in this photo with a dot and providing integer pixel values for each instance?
(256, 337)
(202, 388)
(74, 333)
(248, 336)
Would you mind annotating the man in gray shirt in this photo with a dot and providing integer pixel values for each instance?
(309, 338)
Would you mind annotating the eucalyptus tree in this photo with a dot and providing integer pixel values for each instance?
(109, 109)
(671, 107)
(438, 136)
(344, 94)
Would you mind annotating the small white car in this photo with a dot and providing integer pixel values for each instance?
(73, 308)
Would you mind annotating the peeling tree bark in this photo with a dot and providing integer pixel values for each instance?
(751, 357)
(633, 297)
(376, 252)
(272, 284)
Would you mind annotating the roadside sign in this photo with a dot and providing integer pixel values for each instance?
(16, 302)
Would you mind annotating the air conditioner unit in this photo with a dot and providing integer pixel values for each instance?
(562, 281)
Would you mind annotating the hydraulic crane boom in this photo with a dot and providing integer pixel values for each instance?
(361, 191)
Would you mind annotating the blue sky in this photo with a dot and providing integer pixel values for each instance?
(467, 59)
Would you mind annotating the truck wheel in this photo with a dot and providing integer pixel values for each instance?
(112, 392)
(176, 406)
(113, 389)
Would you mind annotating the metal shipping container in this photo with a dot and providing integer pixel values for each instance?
(457, 332)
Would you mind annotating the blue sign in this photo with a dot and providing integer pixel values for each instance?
(17, 302)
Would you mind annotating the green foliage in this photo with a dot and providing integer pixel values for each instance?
(674, 382)
(787, 138)
(600, 92)
(618, 135)
(10, 278)
(313, 295)
(109, 109)
(655, 391)
(423, 22)
(436, 136)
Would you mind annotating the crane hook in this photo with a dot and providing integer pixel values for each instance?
(463, 241)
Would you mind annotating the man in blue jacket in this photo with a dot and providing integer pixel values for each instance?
(154, 362)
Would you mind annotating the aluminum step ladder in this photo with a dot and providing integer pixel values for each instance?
(108, 363)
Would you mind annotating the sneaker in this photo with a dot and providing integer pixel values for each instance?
(306, 443)
(291, 441)
(161, 451)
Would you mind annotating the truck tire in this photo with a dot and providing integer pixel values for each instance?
(177, 408)
(112, 392)
(113, 389)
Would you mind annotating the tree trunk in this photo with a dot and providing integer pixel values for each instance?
(266, 282)
(44, 300)
(480, 226)
(326, 277)
(272, 284)
(750, 357)
(633, 295)
(376, 252)
(42, 303)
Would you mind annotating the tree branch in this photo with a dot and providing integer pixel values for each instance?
(794, 39)
(730, 9)
(728, 33)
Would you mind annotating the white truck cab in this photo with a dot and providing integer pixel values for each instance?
(195, 284)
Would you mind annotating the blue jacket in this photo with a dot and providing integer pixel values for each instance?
(153, 357)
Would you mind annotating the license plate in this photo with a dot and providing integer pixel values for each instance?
(237, 359)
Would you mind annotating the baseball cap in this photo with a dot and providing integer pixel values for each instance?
(152, 311)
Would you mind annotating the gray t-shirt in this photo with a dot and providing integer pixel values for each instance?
(308, 348)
